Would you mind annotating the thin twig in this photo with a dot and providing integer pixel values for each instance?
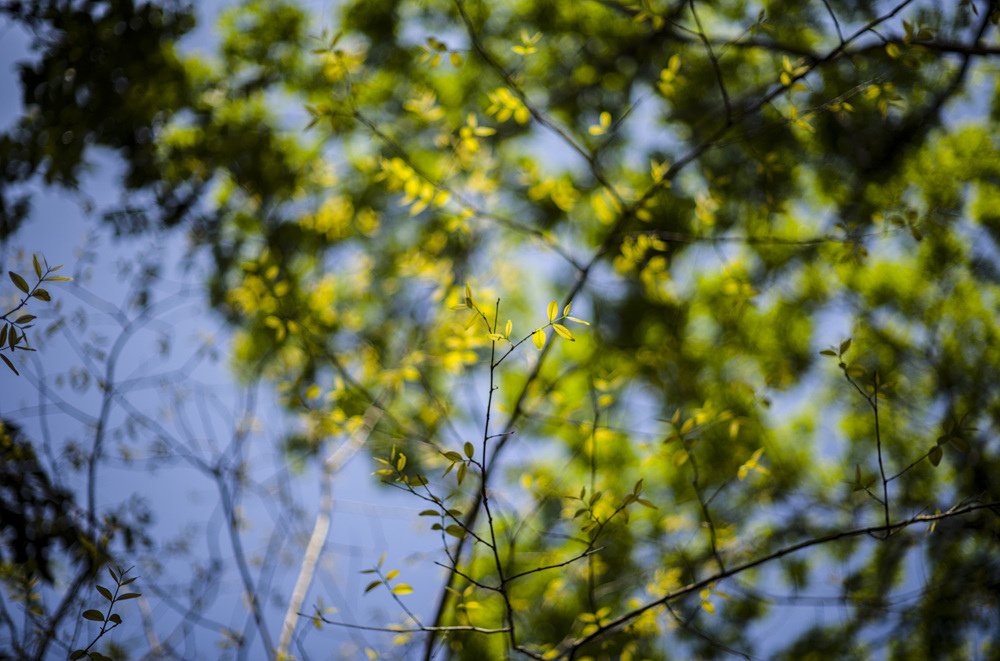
(715, 65)
(770, 557)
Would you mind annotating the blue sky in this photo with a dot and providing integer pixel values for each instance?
(367, 521)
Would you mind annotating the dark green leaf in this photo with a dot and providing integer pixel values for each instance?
(129, 595)
(19, 282)
(94, 616)
(106, 593)
(371, 586)
(42, 294)
(9, 364)
(935, 455)
(959, 443)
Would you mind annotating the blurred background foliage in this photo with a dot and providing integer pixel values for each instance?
(723, 189)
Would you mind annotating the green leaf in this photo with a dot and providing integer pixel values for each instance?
(92, 615)
(116, 618)
(845, 345)
(9, 364)
(935, 455)
(42, 294)
(828, 352)
(455, 531)
(24, 319)
(959, 443)
(391, 574)
(19, 282)
(106, 593)
(129, 595)
(469, 449)
(553, 310)
(77, 654)
(3, 335)
(371, 586)
(37, 265)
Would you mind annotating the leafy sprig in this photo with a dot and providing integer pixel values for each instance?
(108, 619)
(15, 322)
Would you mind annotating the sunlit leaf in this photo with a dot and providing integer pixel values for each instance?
(563, 332)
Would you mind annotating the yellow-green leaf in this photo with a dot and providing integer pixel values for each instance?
(553, 310)
(563, 332)
(21, 284)
(402, 588)
(538, 337)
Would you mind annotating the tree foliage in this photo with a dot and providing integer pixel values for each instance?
(779, 219)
